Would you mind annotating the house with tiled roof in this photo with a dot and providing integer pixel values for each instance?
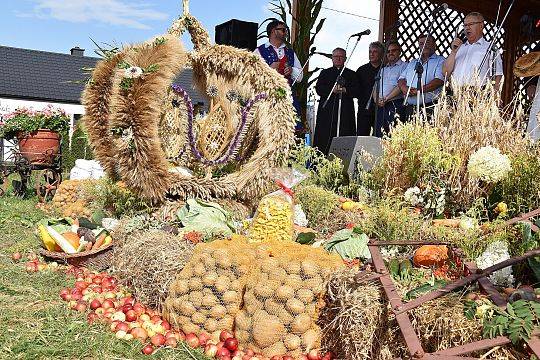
(33, 78)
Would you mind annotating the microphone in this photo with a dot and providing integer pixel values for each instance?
(365, 32)
(440, 8)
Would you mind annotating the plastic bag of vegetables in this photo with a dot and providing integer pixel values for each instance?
(274, 218)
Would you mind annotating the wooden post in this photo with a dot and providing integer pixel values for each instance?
(294, 24)
(389, 16)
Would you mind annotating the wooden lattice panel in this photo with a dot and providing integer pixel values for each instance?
(520, 83)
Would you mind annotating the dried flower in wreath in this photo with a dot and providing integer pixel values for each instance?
(232, 95)
(280, 93)
(134, 72)
(212, 91)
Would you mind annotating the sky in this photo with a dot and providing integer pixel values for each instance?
(59, 25)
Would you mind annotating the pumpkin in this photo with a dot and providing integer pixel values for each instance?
(430, 255)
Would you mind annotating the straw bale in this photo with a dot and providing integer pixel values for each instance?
(148, 262)
(354, 317)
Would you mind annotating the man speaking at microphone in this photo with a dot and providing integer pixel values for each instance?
(347, 88)
(465, 59)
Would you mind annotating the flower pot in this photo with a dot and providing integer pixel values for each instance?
(39, 147)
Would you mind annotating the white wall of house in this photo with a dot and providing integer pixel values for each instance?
(9, 105)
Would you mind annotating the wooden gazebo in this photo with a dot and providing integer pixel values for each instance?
(514, 39)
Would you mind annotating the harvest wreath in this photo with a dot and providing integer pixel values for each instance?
(125, 109)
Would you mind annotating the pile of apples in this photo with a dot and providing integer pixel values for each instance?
(33, 264)
(111, 303)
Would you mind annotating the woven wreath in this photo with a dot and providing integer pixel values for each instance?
(140, 125)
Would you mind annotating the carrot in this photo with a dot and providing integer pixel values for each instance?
(99, 241)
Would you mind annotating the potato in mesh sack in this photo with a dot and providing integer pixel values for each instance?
(283, 298)
(69, 198)
(207, 294)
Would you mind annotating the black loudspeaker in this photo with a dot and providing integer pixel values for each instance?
(354, 149)
(237, 33)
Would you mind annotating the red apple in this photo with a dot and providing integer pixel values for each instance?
(81, 285)
(100, 311)
(91, 317)
(122, 326)
(139, 308)
(158, 340)
(171, 342)
(94, 304)
(276, 357)
(223, 352)
(287, 357)
(108, 304)
(203, 338)
(127, 301)
(148, 349)
(303, 357)
(250, 352)
(139, 333)
(131, 315)
(231, 344)
(210, 350)
(63, 293)
(16, 256)
(166, 325)
(81, 306)
(156, 319)
(313, 355)
(224, 335)
(246, 357)
(328, 356)
(192, 340)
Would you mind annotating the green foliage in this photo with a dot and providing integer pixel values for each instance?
(78, 149)
(388, 220)
(116, 199)
(328, 174)
(520, 190)
(316, 202)
(413, 154)
(26, 121)
(517, 321)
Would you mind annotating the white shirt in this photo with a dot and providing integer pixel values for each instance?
(389, 78)
(297, 73)
(468, 60)
(432, 70)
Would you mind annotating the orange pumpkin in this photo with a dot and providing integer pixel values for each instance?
(73, 238)
(430, 255)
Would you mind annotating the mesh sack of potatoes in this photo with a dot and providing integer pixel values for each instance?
(69, 198)
(282, 299)
(207, 293)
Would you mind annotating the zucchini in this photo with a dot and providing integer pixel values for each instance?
(405, 268)
(423, 289)
(393, 267)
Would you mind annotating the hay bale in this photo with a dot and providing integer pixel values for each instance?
(147, 261)
(353, 318)
(440, 324)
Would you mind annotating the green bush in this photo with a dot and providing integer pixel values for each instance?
(78, 149)
(520, 190)
(317, 203)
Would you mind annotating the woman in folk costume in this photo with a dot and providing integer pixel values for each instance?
(281, 58)
(529, 66)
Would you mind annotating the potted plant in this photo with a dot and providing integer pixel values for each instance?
(38, 132)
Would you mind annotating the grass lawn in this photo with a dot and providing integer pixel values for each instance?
(34, 322)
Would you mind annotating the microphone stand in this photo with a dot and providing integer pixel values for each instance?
(491, 48)
(340, 97)
(419, 69)
(377, 84)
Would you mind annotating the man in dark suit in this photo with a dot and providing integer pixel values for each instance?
(346, 89)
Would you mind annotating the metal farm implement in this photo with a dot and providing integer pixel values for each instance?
(400, 309)
(16, 171)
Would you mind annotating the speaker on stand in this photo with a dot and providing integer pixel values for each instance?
(237, 33)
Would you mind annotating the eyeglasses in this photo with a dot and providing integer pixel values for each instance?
(471, 24)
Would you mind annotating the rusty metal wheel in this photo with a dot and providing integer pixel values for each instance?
(46, 184)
